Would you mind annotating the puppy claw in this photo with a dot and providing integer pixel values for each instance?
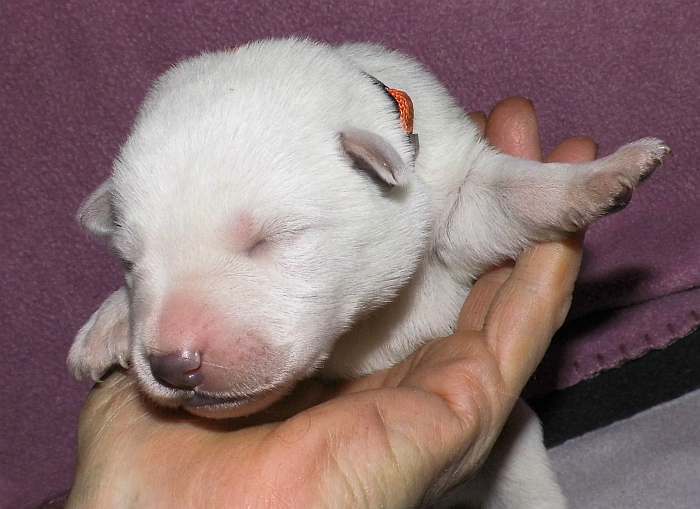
(123, 360)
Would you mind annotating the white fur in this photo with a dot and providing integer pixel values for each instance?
(355, 274)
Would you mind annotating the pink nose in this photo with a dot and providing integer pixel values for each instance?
(179, 370)
(199, 346)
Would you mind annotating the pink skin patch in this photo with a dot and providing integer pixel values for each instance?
(235, 359)
(187, 323)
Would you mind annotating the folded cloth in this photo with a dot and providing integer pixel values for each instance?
(73, 73)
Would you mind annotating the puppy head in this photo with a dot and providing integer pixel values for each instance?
(264, 200)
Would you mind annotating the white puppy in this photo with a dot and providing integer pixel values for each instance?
(276, 217)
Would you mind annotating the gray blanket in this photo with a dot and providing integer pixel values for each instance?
(651, 460)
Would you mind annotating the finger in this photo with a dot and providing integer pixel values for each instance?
(479, 118)
(530, 307)
(574, 150)
(534, 301)
(478, 303)
(512, 128)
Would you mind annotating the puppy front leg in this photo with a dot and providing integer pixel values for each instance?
(104, 339)
(506, 204)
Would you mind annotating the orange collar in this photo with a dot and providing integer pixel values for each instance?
(405, 107)
(403, 103)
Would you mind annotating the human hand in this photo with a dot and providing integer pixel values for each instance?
(385, 440)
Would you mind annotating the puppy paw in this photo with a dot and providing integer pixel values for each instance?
(615, 177)
(640, 158)
(103, 341)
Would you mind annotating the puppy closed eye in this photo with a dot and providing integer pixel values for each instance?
(257, 246)
(273, 238)
(255, 236)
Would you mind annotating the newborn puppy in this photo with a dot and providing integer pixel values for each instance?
(277, 217)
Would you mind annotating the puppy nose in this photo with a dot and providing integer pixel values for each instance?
(179, 370)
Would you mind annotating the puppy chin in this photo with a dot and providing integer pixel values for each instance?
(241, 408)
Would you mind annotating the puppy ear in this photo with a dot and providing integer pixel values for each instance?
(372, 153)
(96, 214)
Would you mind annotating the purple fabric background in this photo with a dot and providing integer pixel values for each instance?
(73, 74)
